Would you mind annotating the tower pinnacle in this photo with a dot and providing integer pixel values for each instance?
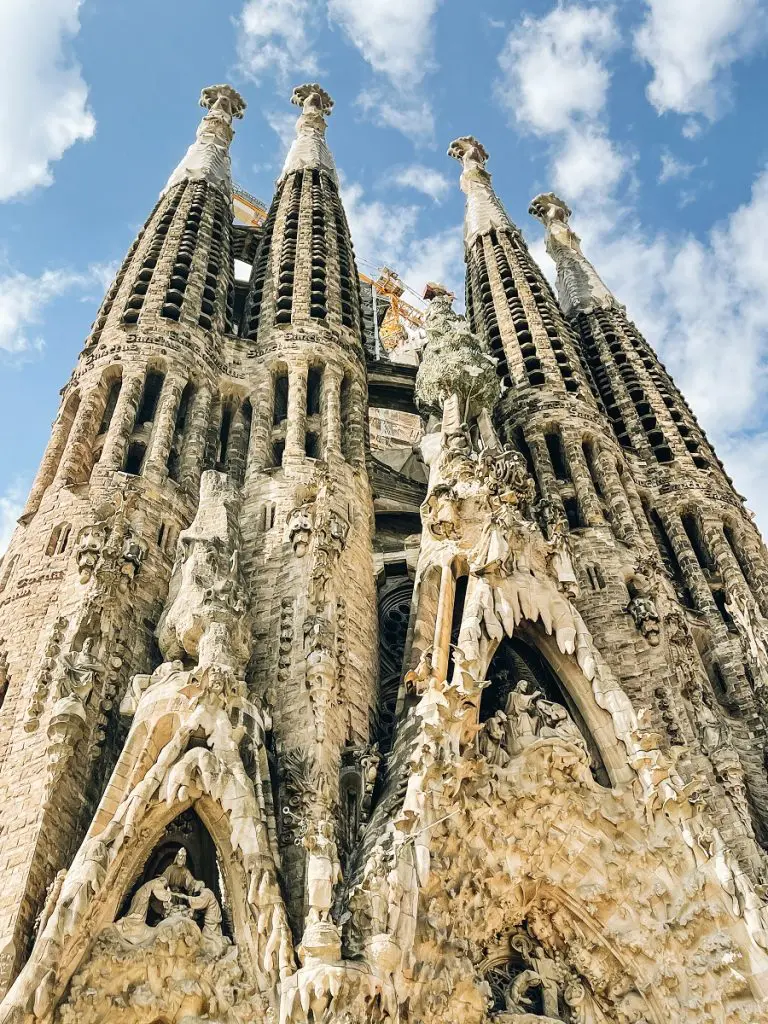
(484, 211)
(309, 150)
(207, 159)
(579, 286)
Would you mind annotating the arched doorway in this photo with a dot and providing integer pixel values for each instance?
(519, 659)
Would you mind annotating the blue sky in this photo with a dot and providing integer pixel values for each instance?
(647, 116)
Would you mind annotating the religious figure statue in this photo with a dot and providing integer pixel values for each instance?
(177, 874)
(323, 870)
(203, 898)
(522, 719)
(557, 723)
(133, 925)
(491, 740)
(711, 728)
(80, 671)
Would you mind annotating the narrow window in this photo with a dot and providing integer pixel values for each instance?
(278, 450)
(161, 535)
(557, 456)
(312, 445)
(224, 429)
(109, 408)
(572, 513)
(153, 385)
(281, 399)
(134, 458)
(53, 540)
(693, 531)
(61, 547)
(314, 388)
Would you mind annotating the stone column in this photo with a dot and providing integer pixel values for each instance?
(725, 560)
(636, 508)
(589, 503)
(332, 411)
(237, 450)
(261, 428)
(195, 440)
(75, 466)
(51, 460)
(358, 414)
(622, 520)
(165, 425)
(543, 467)
(123, 420)
(297, 411)
(693, 576)
(441, 652)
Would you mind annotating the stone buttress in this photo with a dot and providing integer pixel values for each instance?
(308, 513)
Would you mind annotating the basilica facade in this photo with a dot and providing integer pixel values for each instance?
(297, 727)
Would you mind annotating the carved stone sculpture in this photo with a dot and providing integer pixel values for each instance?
(323, 869)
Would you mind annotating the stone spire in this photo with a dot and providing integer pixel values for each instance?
(304, 268)
(484, 211)
(309, 150)
(509, 302)
(579, 286)
(207, 159)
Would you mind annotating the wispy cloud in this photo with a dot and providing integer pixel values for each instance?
(276, 37)
(422, 179)
(24, 298)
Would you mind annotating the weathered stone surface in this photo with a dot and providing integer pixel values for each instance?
(550, 804)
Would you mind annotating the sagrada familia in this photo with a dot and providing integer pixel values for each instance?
(293, 733)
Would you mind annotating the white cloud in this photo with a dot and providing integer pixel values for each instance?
(274, 37)
(555, 83)
(23, 300)
(388, 234)
(393, 36)
(423, 179)
(11, 507)
(588, 163)
(46, 100)
(690, 45)
(672, 168)
(553, 67)
(283, 124)
(407, 114)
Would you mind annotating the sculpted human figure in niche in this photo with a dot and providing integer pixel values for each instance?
(522, 719)
(178, 875)
(711, 727)
(80, 671)
(323, 870)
